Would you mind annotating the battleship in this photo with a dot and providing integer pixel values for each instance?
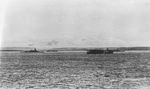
(98, 51)
(32, 51)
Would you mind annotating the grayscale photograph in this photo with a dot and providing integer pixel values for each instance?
(74, 44)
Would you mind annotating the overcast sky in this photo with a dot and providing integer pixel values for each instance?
(76, 23)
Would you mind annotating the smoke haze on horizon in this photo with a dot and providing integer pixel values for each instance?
(76, 23)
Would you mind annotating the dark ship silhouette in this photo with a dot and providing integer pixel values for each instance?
(32, 51)
(100, 51)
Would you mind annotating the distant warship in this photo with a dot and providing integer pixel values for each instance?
(32, 51)
(98, 51)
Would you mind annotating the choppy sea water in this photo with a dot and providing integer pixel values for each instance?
(74, 71)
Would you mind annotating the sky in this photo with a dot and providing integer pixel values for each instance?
(75, 23)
